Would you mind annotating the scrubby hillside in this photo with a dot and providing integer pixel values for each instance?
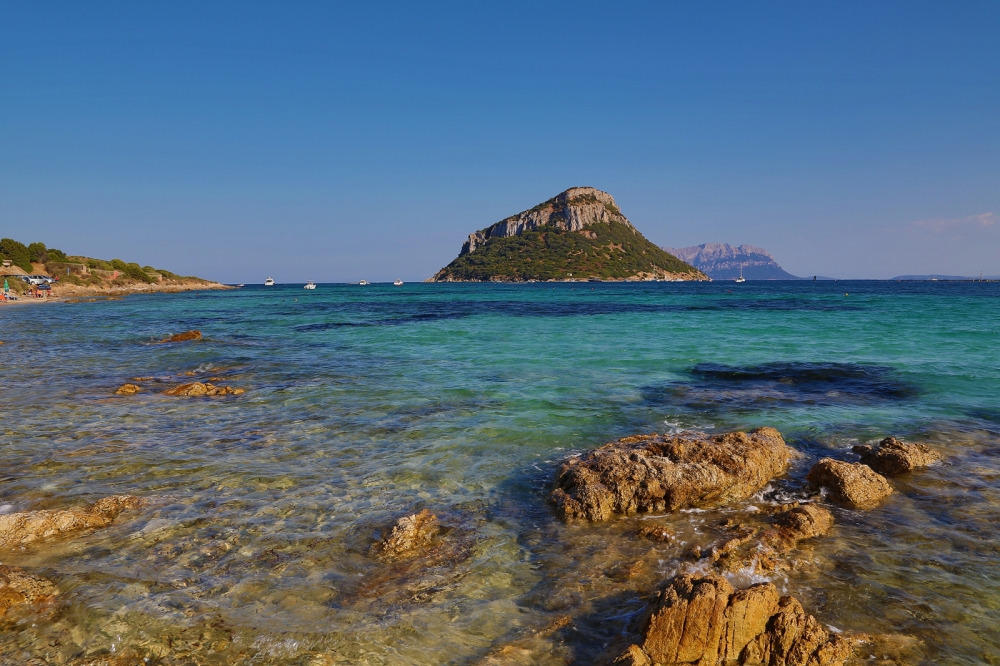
(579, 234)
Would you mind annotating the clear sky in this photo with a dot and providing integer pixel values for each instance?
(337, 142)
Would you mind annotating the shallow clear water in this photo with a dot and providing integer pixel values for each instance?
(367, 403)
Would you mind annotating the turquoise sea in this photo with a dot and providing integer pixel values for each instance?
(364, 404)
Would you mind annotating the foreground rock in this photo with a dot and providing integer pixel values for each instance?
(704, 621)
(666, 473)
(197, 388)
(128, 389)
(28, 526)
(893, 457)
(183, 337)
(851, 484)
(18, 587)
(410, 536)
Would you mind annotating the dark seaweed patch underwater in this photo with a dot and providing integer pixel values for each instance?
(715, 387)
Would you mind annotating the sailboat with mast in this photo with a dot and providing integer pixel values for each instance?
(741, 278)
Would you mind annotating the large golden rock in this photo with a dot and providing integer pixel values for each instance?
(852, 484)
(668, 472)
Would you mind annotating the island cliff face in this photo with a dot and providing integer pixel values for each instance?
(722, 261)
(580, 234)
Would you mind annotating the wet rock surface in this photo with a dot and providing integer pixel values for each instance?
(27, 526)
(128, 389)
(200, 389)
(410, 536)
(646, 473)
(703, 620)
(853, 485)
(768, 547)
(892, 457)
(186, 336)
(18, 587)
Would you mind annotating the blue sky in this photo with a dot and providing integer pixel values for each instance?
(337, 142)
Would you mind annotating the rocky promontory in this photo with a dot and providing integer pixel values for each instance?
(580, 234)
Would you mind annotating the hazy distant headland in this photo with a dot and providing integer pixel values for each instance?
(580, 234)
(722, 261)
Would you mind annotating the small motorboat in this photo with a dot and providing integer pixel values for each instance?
(269, 282)
(741, 278)
(240, 285)
(310, 285)
(398, 282)
(364, 282)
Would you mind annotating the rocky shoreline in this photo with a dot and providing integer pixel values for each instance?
(704, 616)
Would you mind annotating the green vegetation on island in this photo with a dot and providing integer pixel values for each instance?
(578, 235)
(609, 252)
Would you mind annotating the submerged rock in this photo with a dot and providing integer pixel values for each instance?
(409, 537)
(768, 547)
(806, 521)
(852, 484)
(893, 457)
(704, 621)
(128, 389)
(18, 587)
(197, 388)
(668, 472)
(28, 526)
(184, 337)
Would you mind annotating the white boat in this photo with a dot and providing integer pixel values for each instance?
(398, 282)
(240, 285)
(364, 282)
(741, 278)
(310, 285)
(269, 282)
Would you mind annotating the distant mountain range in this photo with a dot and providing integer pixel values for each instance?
(722, 261)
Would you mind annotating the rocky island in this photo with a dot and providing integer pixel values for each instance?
(722, 261)
(580, 234)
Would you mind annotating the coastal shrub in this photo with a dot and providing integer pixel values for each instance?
(37, 252)
(53, 254)
(135, 272)
(18, 253)
(96, 263)
(119, 265)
